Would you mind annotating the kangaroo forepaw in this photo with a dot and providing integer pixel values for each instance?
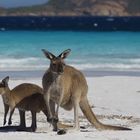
(52, 120)
(55, 120)
(55, 128)
(49, 119)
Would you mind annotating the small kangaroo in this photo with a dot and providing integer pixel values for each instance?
(25, 97)
(67, 87)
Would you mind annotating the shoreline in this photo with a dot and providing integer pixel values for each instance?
(25, 74)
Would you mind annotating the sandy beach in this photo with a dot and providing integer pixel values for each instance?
(114, 99)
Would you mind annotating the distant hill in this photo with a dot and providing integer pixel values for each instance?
(2, 11)
(78, 8)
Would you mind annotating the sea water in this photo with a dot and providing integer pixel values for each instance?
(115, 51)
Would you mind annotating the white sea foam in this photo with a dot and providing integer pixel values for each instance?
(108, 66)
(30, 63)
(135, 60)
(37, 63)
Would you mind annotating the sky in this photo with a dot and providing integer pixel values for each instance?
(16, 3)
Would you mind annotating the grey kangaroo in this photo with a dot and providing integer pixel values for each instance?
(25, 97)
(67, 87)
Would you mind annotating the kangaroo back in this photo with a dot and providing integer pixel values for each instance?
(34, 102)
(24, 90)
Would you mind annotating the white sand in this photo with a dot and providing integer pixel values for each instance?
(116, 101)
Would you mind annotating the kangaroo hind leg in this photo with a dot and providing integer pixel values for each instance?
(22, 119)
(76, 115)
(10, 117)
(33, 125)
(76, 119)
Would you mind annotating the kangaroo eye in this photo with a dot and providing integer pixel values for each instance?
(2, 85)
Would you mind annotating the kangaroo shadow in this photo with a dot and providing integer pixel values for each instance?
(15, 128)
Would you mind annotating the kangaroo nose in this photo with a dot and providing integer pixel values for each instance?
(60, 69)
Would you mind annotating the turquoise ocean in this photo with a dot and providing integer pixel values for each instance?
(91, 51)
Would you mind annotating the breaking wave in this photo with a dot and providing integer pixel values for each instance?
(33, 63)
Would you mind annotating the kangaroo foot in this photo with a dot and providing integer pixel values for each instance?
(9, 122)
(32, 129)
(26, 129)
(4, 122)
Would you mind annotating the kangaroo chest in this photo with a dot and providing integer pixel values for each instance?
(56, 90)
(7, 99)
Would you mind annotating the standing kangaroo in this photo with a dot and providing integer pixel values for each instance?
(25, 97)
(67, 87)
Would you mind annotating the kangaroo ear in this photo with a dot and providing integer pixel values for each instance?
(65, 53)
(5, 80)
(48, 54)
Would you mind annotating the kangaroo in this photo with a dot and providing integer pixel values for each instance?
(32, 100)
(67, 87)
(25, 97)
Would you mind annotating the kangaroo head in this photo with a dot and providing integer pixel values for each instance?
(57, 63)
(4, 85)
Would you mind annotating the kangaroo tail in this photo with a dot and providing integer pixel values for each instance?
(87, 111)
